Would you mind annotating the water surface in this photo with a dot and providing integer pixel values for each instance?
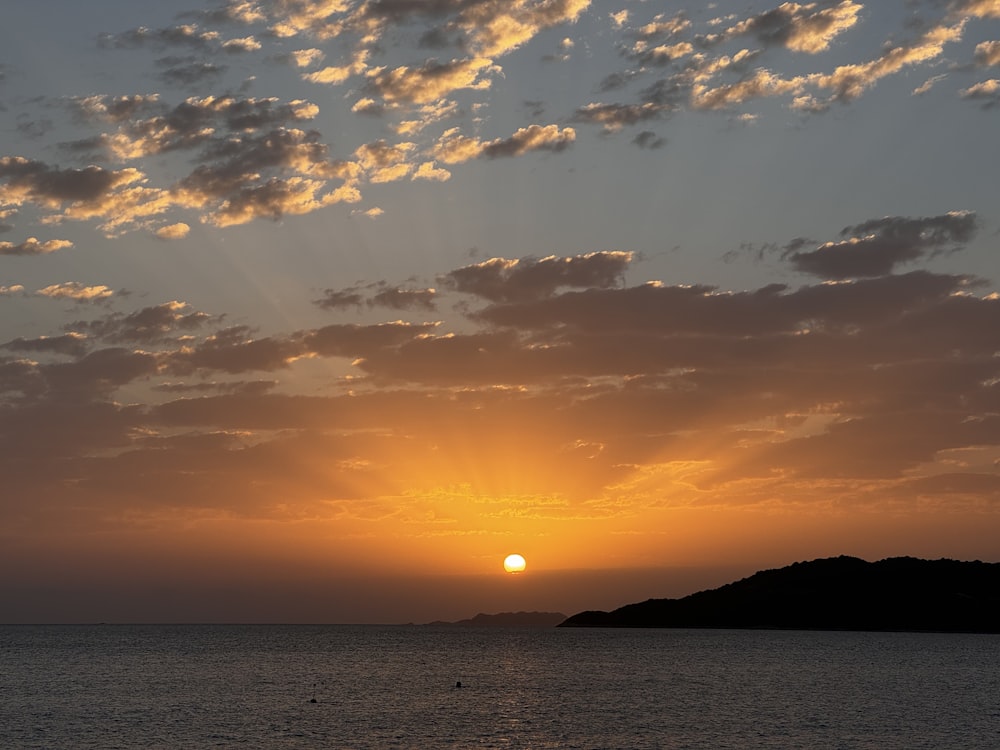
(394, 687)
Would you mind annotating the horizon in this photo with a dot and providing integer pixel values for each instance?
(681, 588)
(326, 308)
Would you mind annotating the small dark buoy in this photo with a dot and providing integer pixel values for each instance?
(312, 700)
(458, 684)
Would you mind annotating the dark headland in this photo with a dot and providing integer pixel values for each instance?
(509, 619)
(839, 593)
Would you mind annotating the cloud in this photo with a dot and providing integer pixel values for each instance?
(384, 162)
(32, 246)
(188, 71)
(30, 180)
(340, 299)
(234, 350)
(304, 58)
(115, 109)
(431, 81)
(277, 198)
(876, 247)
(531, 138)
(429, 171)
(984, 91)
(616, 116)
(498, 27)
(987, 54)
(694, 76)
(396, 298)
(80, 194)
(454, 148)
(975, 8)
(379, 294)
(239, 46)
(500, 279)
(177, 231)
(184, 35)
(849, 81)
(157, 323)
(69, 344)
(649, 139)
(196, 121)
(337, 74)
(800, 28)
(76, 291)
(359, 341)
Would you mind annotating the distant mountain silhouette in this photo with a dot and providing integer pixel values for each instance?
(508, 619)
(841, 593)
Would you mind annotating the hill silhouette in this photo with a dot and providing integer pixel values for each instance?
(840, 593)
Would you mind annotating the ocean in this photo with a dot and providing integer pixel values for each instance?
(259, 686)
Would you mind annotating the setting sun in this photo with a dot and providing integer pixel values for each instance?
(514, 564)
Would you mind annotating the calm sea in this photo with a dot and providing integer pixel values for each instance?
(395, 687)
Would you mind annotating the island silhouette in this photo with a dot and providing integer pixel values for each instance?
(509, 619)
(838, 593)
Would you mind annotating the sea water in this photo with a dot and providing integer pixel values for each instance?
(117, 686)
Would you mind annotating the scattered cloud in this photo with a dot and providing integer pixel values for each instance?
(454, 148)
(76, 291)
(987, 92)
(649, 139)
(32, 246)
(876, 247)
(987, 54)
(177, 231)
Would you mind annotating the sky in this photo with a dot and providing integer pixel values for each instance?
(314, 311)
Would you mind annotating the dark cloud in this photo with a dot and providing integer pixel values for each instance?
(149, 325)
(877, 247)
(70, 344)
(617, 80)
(98, 373)
(51, 185)
(189, 35)
(351, 340)
(648, 139)
(234, 350)
(187, 71)
(33, 128)
(500, 279)
(436, 38)
(397, 298)
(707, 311)
(378, 294)
(615, 116)
(247, 388)
(340, 299)
(117, 109)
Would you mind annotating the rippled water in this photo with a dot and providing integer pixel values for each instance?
(394, 687)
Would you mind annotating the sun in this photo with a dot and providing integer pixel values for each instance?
(514, 564)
